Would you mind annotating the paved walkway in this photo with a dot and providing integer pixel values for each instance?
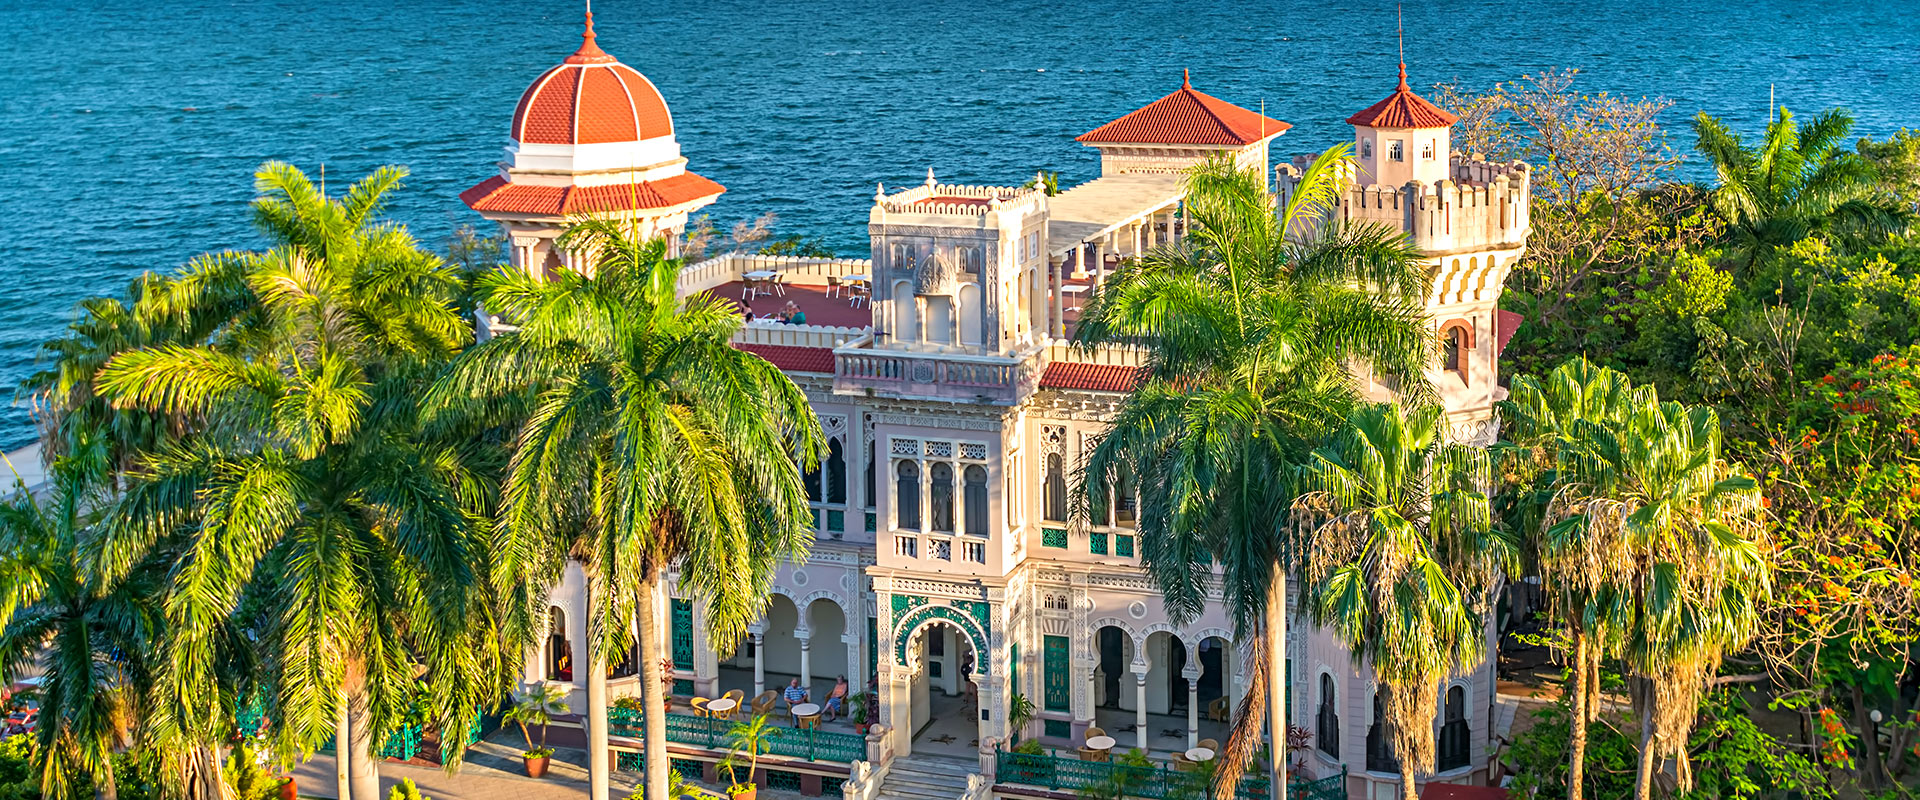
(492, 771)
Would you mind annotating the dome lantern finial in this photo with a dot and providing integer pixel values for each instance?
(1186, 78)
(589, 52)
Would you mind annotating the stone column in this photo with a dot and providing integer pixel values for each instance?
(1060, 298)
(805, 637)
(926, 501)
(1140, 702)
(1099, 262)
(1192, 675)
(856, 666)
(758, 640)
(1079, 265)
(959, 507)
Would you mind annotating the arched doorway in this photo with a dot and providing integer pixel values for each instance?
(943, 698)
(1216, 678)
(1116, 662)
(826, 652)
(559, 657)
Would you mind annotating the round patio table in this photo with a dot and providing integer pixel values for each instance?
(721, 706)
(1100, 743)
(1200, 754)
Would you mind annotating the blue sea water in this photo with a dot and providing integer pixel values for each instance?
(129, 129)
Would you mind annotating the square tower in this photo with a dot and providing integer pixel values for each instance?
(956, 269)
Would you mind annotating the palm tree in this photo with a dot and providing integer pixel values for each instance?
(92, 641)
(1252, 324)
(647, 443)
(1579, 567)
(304, 485)
(1796, 182)
(1403, 562)
(1691, 574)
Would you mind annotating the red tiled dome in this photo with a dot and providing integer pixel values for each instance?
(591, 98)
(1403, 109)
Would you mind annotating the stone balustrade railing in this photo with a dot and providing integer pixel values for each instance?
(721, 270)
(780, 333)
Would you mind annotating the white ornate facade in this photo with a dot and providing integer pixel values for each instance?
(946, 564)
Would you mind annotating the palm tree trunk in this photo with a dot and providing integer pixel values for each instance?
(652, 694)
(105, 786)
(342, 734)
(363, 768)
(1643, 782)
(1276, 643)
(599, 772)
(1577, 736)
(200, 774)
(1408, 789)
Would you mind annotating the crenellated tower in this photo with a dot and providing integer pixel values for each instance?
(1468, 216)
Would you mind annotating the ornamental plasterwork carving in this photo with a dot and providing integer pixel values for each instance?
(1053, 439)
(833, 425)
(948, 422)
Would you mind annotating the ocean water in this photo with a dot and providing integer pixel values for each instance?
(129, 130)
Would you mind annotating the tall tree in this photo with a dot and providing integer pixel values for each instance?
(1403, 562)
(1578, 567)
(1253, 325)
(92, 640)
(304, 482)
(647, 444)
(1688, 556)
(1795, 182)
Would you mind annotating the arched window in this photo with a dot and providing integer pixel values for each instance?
(1453, 750)
(976, 500)
(1366, 148)
(812, 480)
(1328, 717)
(871, 495)
(1379, 745)
(906, 497)
(906, 326)
(559, 650)
(836, 472)
(1125, 493)
(1056, 490)
(942, 494)
(1456, 347)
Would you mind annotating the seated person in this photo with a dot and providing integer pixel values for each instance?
(792, 314)
(837, 699)
(795, 696)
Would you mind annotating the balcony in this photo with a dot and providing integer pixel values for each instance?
(995, 380)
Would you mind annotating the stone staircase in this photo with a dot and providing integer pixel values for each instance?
(927, 778)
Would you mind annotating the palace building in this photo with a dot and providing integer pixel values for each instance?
(948, 572)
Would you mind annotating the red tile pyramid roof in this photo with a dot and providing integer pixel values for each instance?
(1089, 377)
(790, 358)
(591, 98)
(1403, 109)
(1187, 117)
(500, 195)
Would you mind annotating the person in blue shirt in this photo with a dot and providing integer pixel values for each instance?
(795, 696)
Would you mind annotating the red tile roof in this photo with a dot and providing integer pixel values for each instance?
(1089, 377)
(499, 195)
(793, 359)
(1505, 323)
(591, 98)
(1403, 109)
(1187, 117)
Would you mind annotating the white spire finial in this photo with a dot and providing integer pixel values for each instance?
(879, 193)
(930, 181)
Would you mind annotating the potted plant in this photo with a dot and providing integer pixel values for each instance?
(749, 738)
(1019, 713)
(537, 704)
(859, 710)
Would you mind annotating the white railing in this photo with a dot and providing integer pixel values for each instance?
(721, 270)
(780, 333)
